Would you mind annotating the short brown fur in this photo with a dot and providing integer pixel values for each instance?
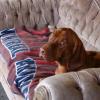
(66, 48)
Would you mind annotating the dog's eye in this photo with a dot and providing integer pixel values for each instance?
(61, 44)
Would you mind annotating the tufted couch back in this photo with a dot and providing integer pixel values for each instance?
(83, 16)
(28, 13)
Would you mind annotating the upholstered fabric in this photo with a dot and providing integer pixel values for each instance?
(83, 85)
(28, 13)
(84, 17)
(81, 15)
(75, 14)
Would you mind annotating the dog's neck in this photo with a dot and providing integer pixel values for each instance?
(78, 61)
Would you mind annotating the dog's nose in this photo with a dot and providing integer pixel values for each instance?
(42, 52)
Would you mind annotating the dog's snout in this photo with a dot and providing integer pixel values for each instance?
(42, 52)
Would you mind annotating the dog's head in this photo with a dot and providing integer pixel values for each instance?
(61, 46)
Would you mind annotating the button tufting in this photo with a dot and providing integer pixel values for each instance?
(21, 11)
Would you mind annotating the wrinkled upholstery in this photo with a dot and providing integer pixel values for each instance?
(83, 16)
(68, 13)
(28, 13)
(83, 85)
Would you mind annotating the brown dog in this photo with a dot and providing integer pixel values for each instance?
(65, 47)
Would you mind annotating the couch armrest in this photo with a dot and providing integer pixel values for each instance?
(82, 85)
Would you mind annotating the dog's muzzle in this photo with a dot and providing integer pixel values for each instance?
(42, 53)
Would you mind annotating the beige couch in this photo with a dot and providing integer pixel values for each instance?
(83, 16)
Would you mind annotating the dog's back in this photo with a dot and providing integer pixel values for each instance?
(95, 56)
